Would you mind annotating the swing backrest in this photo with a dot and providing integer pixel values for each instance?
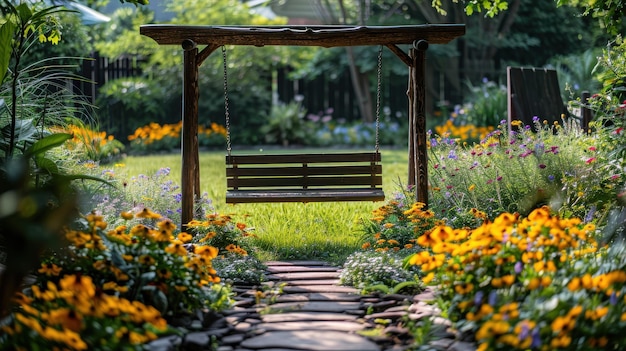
(304, 178)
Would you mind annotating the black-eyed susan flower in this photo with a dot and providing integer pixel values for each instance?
(184, 237)
(50, 269)
(176, 248)
(147, 214)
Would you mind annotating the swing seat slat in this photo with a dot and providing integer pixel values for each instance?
(304, 178)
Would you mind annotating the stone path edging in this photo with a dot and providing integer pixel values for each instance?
(305, 309)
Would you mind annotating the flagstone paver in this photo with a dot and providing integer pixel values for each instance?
(312, 312)
(311, 340)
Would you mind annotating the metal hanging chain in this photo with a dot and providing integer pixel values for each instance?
(378, 84)
(226, 111)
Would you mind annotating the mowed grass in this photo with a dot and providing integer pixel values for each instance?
(287, 231)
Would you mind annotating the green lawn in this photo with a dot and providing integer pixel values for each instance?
(328, 231)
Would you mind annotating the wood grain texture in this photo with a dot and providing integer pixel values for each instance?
(324, 36)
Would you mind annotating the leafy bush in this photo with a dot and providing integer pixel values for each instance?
(367, 268)
(240, 269)
(89, 144)
(146, 262)
(218, 230)
(528, 283)
(516, 171)
(286, 124)
(110, 289)
(73, 314)
(156, 191)
(395, 225)
(154, 137)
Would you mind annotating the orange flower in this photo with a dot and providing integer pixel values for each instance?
(146, 213)
(206, 251)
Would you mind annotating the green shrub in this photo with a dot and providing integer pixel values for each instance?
(240, 269)
(367, 268)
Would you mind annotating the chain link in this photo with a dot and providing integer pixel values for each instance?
(226, 110)
(378, 84)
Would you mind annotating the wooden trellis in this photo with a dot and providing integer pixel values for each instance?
(189, 37)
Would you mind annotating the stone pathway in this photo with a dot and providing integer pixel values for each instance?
(302, 307)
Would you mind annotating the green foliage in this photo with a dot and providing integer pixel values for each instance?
(609, 12)
(286, 124)
(6, 35)
(562, 32)
(486, 104)
(517, 171)
(395, 225)
(364, 269)
(577, 72)
(144, 262)
(233, 268)
(219, 230)
(146, 100)
(541, 273)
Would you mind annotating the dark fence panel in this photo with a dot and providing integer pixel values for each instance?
(99, 70)
(337, 93)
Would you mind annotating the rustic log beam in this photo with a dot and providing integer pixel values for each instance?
(401, 54)
(324, 36)
(202, 55)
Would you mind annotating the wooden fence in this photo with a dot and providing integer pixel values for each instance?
(99, 70)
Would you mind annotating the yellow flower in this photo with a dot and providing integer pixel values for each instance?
(508, 279)
(463, 288)
(78, 284)
(113, 286)
(430, 276)
(166, 225)
(206, 251)
(208, 236)
(146, 213)
(184, 237)
(563, 324)
(147, 260)
(176, 248)
(49, 269)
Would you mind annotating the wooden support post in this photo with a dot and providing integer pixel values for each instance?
(190, 176)
(410, 93)
(418, 152)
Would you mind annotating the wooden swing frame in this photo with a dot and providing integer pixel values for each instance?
(189, 37)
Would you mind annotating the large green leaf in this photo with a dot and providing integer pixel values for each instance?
(24, 12)
(7, 31)
(49, 142)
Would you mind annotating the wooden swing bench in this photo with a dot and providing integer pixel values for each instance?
(304, 178)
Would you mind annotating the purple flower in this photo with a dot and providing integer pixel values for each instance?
(613, 299)
(536, 338)
(163, 171)
(535, 119)
(493, 298)
(518, 267)
(452, 155)
(524, 332)
(551, 178)
(590, 214)
(478, 298)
